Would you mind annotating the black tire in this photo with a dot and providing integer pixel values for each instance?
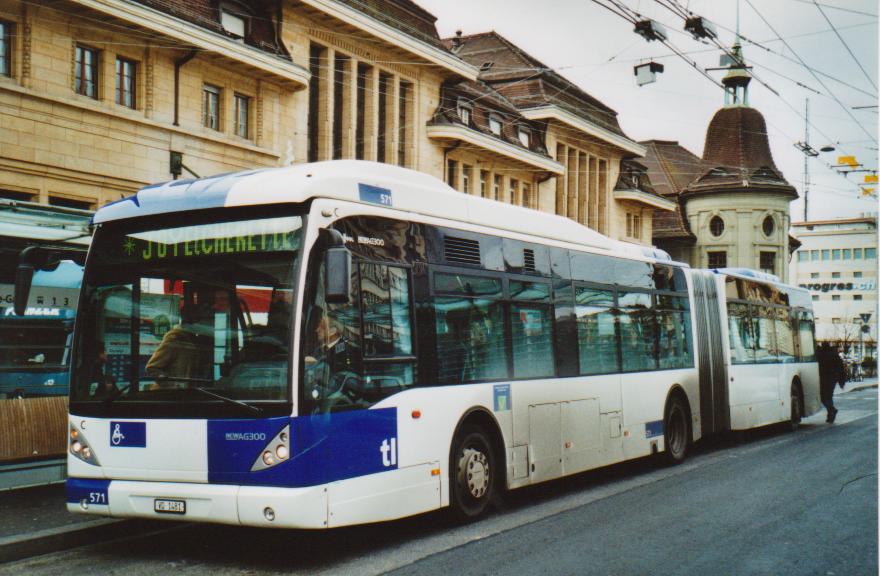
(794, 421)
(676, 430)
(472, 474)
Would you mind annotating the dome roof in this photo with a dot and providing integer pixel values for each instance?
(737, 137)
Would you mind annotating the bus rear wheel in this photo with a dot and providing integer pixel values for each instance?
(796, 415)
(676, 430)
(472, 474)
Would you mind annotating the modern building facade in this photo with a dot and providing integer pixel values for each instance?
(837, 263)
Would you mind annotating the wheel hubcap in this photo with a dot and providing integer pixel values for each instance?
(474, 470)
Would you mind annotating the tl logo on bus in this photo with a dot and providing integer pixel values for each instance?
(389, 452)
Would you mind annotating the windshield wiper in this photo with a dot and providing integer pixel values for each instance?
(227, 399)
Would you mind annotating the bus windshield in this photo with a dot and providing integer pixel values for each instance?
(189, 317)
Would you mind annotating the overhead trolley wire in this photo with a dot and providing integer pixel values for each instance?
(845, 45)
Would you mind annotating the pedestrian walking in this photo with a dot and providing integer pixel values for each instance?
(831, 372)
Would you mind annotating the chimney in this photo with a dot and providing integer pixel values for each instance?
(456, 42)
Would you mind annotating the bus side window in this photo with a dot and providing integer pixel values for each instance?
(531, 324)
(637, 331)
(597, 340)
(805, 337)
(739, 328)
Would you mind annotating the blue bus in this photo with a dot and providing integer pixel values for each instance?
(35, 347)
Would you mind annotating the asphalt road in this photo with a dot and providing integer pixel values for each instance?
(770, 503)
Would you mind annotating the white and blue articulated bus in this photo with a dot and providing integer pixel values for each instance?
(347, 342)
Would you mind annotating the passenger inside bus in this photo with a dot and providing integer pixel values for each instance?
(184, 355)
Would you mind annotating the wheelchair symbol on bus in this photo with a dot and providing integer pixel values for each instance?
(117, 437)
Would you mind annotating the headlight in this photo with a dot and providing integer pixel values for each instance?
(80, 448)
(275, 452)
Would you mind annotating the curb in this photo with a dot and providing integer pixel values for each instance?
(56, 539)
(862, 387)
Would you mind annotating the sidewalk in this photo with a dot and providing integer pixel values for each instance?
(36, 521)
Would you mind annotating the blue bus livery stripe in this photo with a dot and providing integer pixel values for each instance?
(323, 448)
(375, 195)
(92, 490)
(654, 429)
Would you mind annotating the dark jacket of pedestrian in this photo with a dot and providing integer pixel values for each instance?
(831, 372)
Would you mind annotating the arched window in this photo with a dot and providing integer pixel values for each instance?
(768, 226)
(716, 226)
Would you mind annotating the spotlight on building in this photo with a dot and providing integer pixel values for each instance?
(700, 28)
(647, 73)
(651, 30)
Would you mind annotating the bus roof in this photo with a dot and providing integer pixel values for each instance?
(363, 182)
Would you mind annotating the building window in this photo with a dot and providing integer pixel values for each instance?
(526, 195)
(496, 187)
(126, 82)
(768, 262)
(634, 225)
(835, 254)
(847, 254)
(242, 112)
(814, 297)
(211, 107)
(814, 274)
(717, 259)
(360, 128)
(466, 178)
(464, 112)
(826, 255)
(857, 296)
(835, 274)
(870, 253)
(514, 191)
(835, 320)
(716, 226)
(402, 116)
(835, 297)
(5, 48)
(17, 196)
(451, 173)
(495, 124)
(525, 136)
(86, 72)
(234, 24)
(484, 183)
(316, 55)
(383, 96)
(814, 255)
(768, 226)
(857, 274)
(857, 253)
(340, 89)
(70, 203)
(803, 256)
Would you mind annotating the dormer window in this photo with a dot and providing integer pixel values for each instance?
(234, 19)
(464, 112)
(495, 124)
(525, 136)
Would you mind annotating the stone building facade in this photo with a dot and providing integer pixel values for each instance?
(99, 98)
(578, 131)
(733, 204)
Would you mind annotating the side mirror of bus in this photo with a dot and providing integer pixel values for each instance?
(337, 275)
(24, 275)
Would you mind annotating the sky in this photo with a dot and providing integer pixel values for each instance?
(597, 50)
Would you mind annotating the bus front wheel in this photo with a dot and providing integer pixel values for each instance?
(676, 429)
(472, 474)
